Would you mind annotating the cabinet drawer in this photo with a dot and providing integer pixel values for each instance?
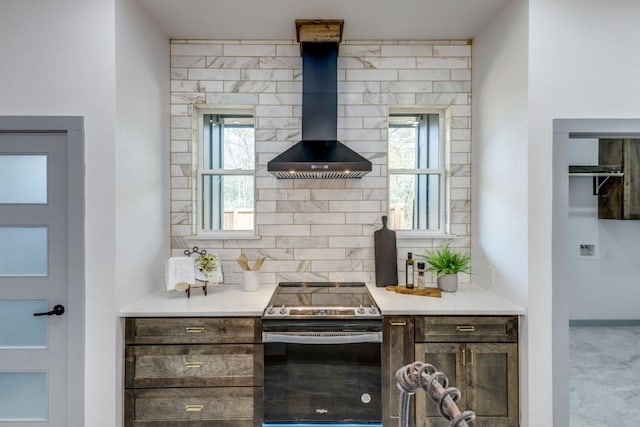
(207, 330)
(195, 407)
(194, 365)
(466, 328)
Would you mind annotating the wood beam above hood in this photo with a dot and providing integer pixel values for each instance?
(319, 30)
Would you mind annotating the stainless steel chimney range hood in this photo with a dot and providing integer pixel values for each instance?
(319, 154)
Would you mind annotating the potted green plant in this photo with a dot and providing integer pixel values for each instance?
(447, 264)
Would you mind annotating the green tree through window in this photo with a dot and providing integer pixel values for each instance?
(416, 172)
(226, 173)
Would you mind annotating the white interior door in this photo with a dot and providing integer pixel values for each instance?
(35, 385)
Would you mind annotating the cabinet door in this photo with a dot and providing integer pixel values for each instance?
(397, 351)
(492, 384)
(450, 359)
(619, 198)
(193, 407)
(220, 365)
(631, 179)
(193, 330)
(466, 329)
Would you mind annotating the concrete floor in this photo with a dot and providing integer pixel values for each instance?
(604, 383)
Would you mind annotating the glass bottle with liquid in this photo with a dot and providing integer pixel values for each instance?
(420, 283)
(409, 271)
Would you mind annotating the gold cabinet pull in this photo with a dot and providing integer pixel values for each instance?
(463, 356)
(193, 364)
(471, 357)
(193, 408)
(465, 328)
(402, 323)
(195, 329)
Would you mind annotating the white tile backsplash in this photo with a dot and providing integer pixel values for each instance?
(318, 229)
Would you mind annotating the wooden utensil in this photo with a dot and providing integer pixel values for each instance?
(243, 262)
(258, 263)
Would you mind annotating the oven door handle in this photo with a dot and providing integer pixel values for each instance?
(367, 337)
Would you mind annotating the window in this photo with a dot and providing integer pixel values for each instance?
(226, 170)
(416, 172)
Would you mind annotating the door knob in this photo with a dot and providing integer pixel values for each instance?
(57, 311)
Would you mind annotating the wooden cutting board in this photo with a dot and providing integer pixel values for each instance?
(426, 292)
(386, 255)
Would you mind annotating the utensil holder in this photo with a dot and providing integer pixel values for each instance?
(250, 280)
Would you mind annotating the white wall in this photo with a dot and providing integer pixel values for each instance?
(142, 153)
(58, 59)
(581, 64)
(605, 285)
(142, 162)
(499, 159)
(499, 177)
(61, 60)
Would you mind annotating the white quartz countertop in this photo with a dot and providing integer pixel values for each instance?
(222, 300)
(231, 300)
(467, 300)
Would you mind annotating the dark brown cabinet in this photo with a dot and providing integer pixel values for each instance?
(480, 357)
(397, 351)
(193, 372)
(619, 197)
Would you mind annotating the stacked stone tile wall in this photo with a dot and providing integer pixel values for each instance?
(318, 229)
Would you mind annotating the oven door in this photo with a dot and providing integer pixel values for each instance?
(325, 378)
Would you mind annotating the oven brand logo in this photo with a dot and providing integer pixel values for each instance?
(322, 411)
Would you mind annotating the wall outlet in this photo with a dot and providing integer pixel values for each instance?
(587, 250)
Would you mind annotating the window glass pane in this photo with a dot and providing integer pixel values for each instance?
(32, 332)
(23, 178)
(402, 147)
(401, 201)
(429, 142)
(23, 396)
(239, 148)
(23, 251)
(414, 202)
(229, 142)
(228, 202)
(429, 187)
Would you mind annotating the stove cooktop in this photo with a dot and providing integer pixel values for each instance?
(321, 300)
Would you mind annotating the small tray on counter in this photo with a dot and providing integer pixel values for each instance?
(426, 292)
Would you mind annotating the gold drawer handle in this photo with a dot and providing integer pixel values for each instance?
(466, 328)
(195, 329)
(472, 358)
(403, 323)
(193, 364)
(193, 408)
(463, 356)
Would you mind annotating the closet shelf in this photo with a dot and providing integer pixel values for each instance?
(596, 171)
(600, 174)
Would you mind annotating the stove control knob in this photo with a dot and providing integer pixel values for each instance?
(271, 310)
(361, 309)
(283, 309)
(373, 309)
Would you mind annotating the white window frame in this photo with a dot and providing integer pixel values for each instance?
(200, 232)
(443, 170)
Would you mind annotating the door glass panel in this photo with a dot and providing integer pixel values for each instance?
(23, 251)
(32, 330)
(23, 396)
(23, 178)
